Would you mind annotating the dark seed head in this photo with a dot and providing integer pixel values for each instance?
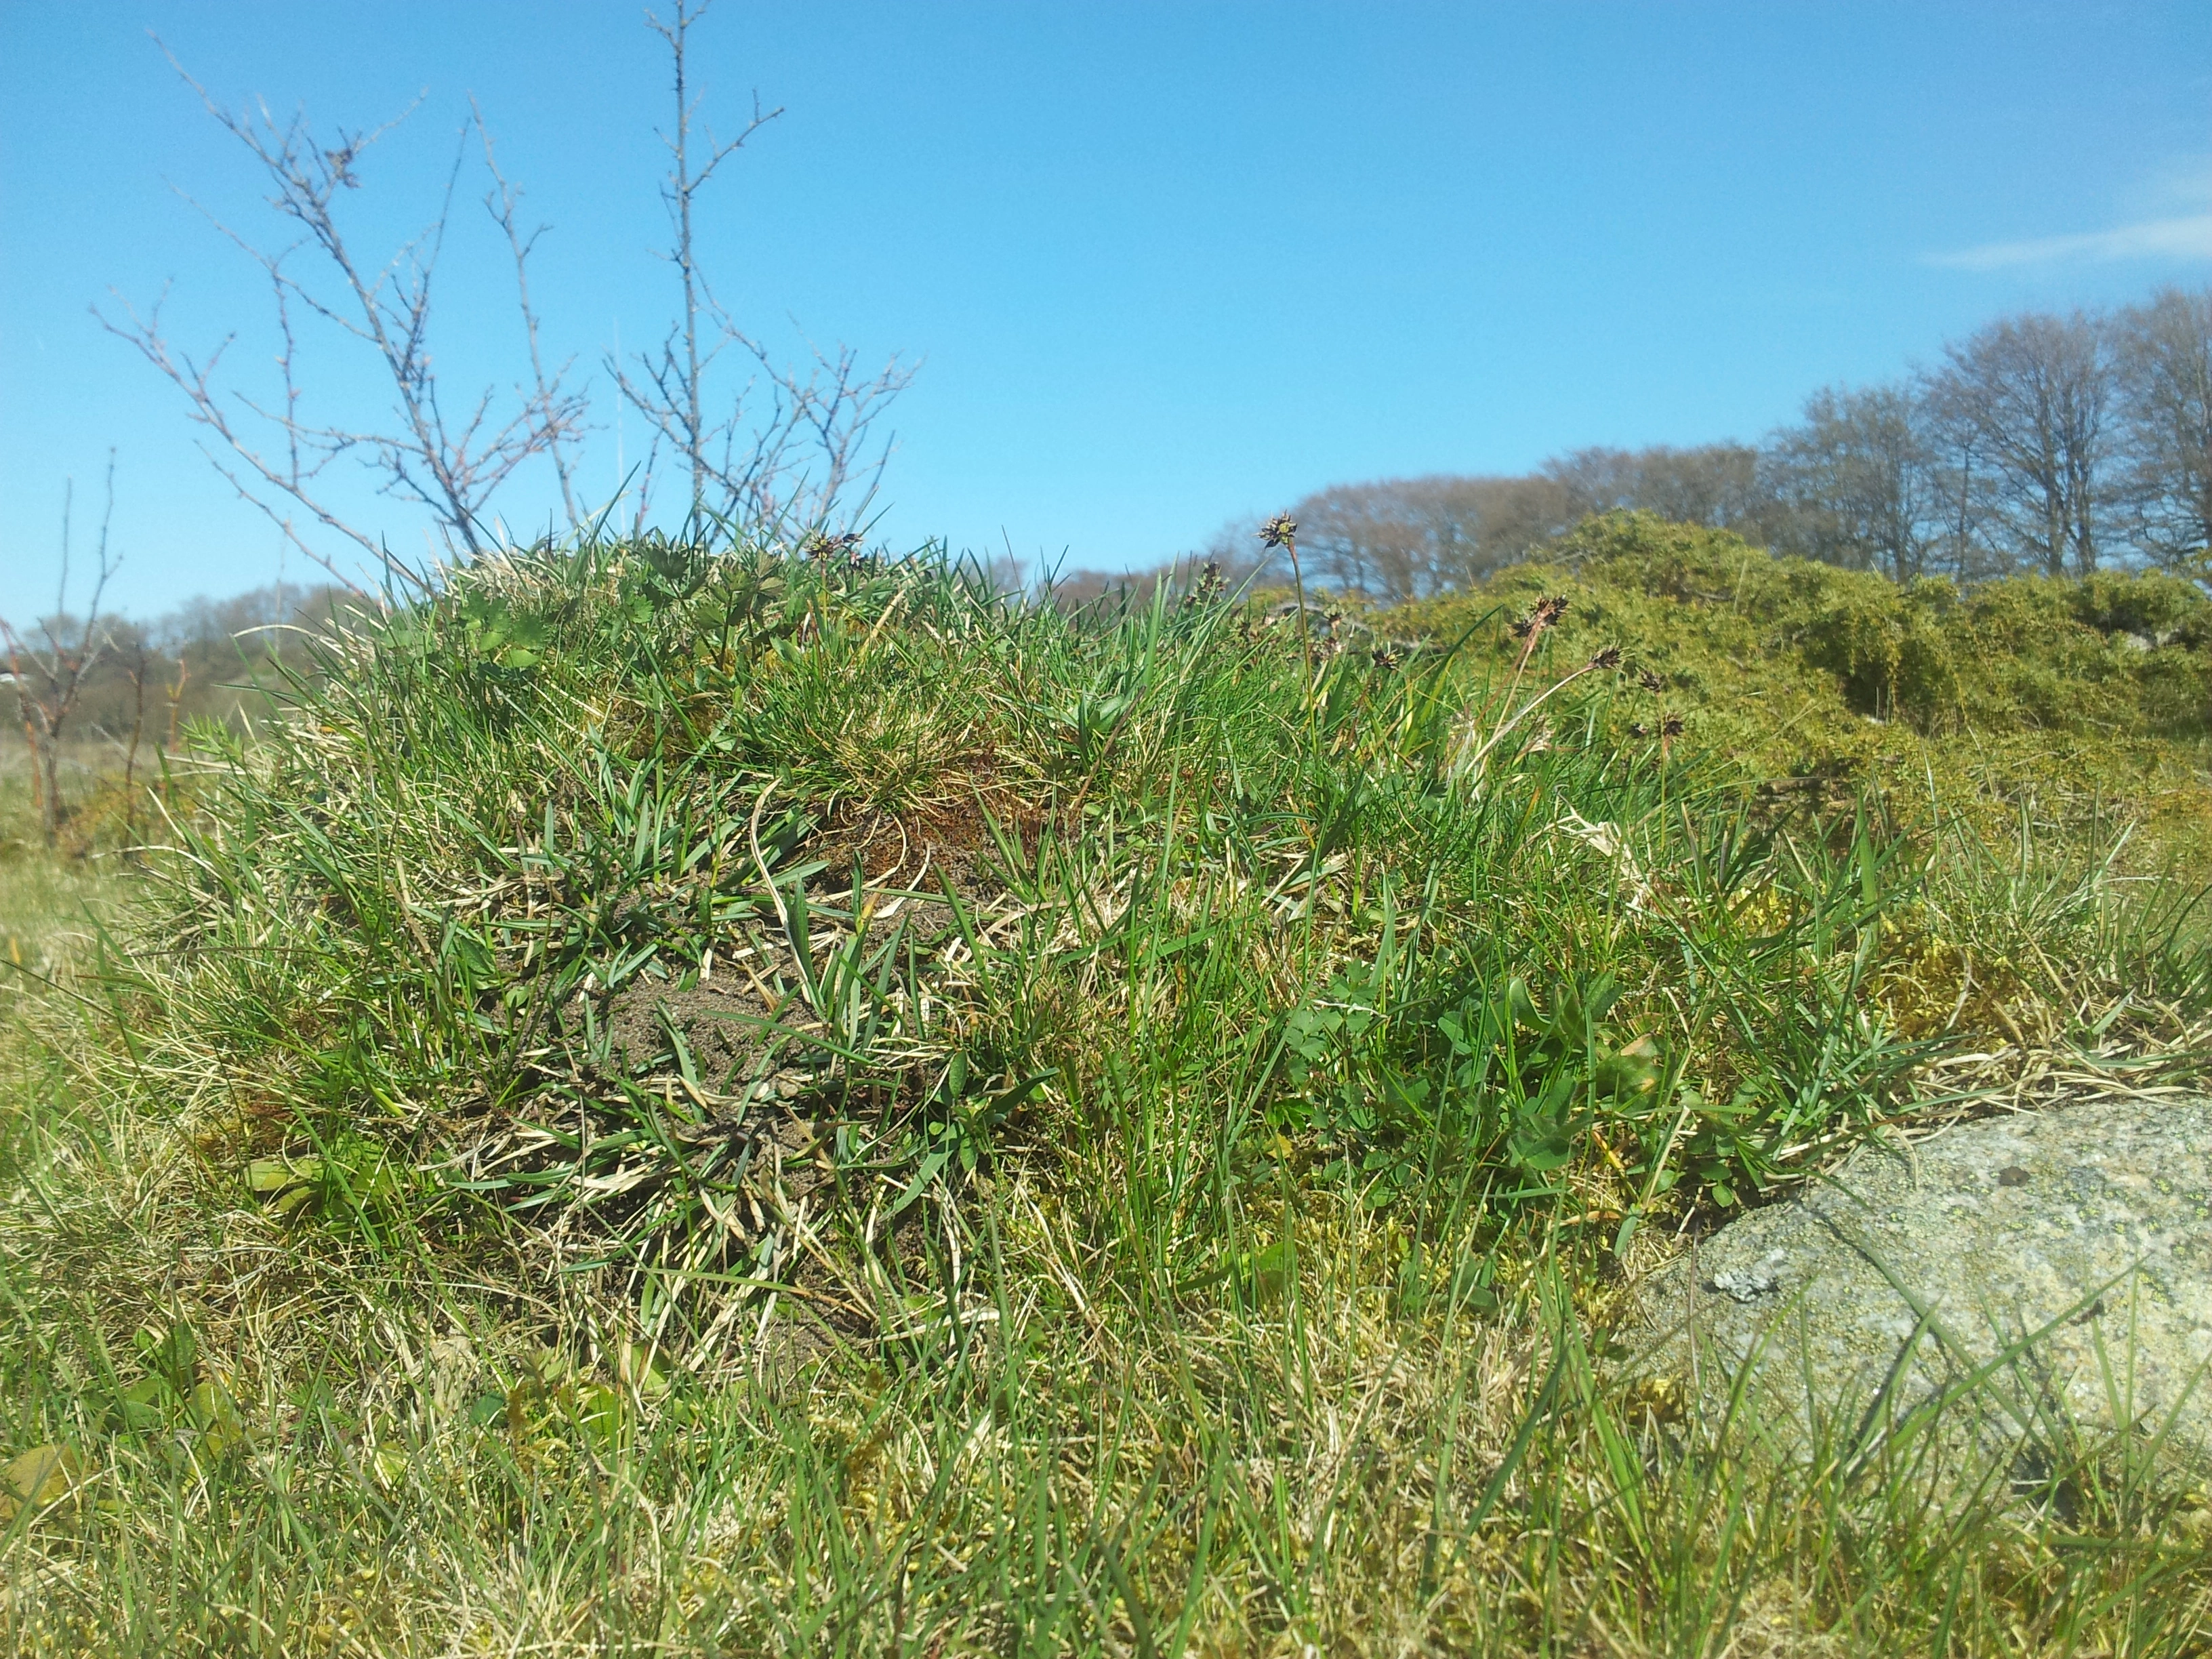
(821, 546)
(1546, 614)
(1278, 531)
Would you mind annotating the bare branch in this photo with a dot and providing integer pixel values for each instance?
(2031, 393)
(681, 386)
(547, 396)
(795, 448)
(292, 477)
(48, 679)
(450, 467)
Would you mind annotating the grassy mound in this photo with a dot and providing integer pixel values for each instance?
(752, 1104)
(2067, 697)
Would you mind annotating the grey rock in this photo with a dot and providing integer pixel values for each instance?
(2057, 1263)
(1762, 1278)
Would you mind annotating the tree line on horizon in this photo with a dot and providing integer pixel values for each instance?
(2047, 443)
(119, 690)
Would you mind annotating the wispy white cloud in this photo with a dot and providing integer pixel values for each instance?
(2169, 214)
(2188, 237)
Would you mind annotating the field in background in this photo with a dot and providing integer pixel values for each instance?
(753, 1105)
(42, 896)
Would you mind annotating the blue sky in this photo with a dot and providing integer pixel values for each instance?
(1163, 264)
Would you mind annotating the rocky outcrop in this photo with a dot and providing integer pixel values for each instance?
(2053, 1267)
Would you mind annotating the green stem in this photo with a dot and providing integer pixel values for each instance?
(1305, 638)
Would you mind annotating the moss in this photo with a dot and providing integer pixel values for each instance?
(2068, 698)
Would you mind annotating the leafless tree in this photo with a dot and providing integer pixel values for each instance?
(1855, 484)
(1597, 479)
(795, 446)
(1963, 488)
(1369, 538)
(137, 659)
(1713, 484)
(2164, 358)
(1512, 517)
(47, 670)
(451, 463)
(1400, 539)
(2029, 396)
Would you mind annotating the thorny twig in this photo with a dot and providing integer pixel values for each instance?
(450, 465)
(825, 413)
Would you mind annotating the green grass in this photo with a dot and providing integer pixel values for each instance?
(2069, 698)
(44, 918)
(685, 1105)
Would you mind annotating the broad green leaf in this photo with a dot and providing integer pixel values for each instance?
(41, 1476)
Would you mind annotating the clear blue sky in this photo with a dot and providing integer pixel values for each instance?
(1164, 263)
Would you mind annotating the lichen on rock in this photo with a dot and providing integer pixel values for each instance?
(2052, 1269)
